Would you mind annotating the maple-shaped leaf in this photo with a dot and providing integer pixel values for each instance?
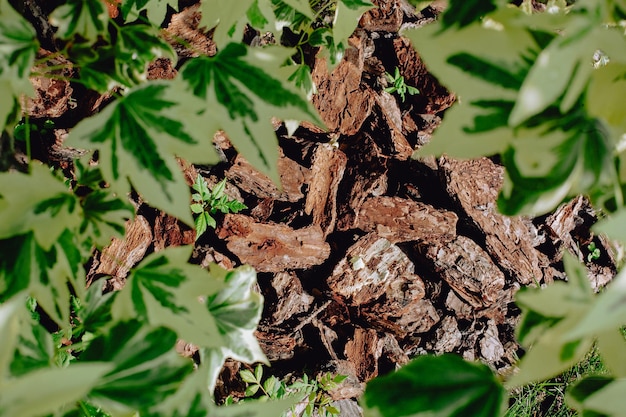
(19, 46)
(164, 290)
(223, 15)
(86, 18)
(242, 89)
(155, 9)
(138, 137)
(37, 202)
(43, 273)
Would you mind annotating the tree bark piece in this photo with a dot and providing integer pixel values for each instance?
(475, 185)
(401, 220)
(292, 299)
(379, 278)
(120, 256)
(364, 351)
(329, 165)
(342, 101)
(469, 270)
(271, 247)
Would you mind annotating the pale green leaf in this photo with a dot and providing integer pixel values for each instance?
(302, 6)
(138, 137)
(46, 390)
(86, 18)
(237, 310)
(485, 81)
(193, 399)
(11, 311)
(165, 290)
(435, 386)
(18, 44)
(578, 393)
(465, 12)
(224, 14)
(611, 346)
(34, 350)
(346, 19)
(552, 70)
(609, 400)
(272, 408)
(142, 356)
(242, 89)
(155, 9)
(44, 274)
(105, 216)
(602, 101)
(37, 202)
(613, 226)
(551, 355)
(607, 313)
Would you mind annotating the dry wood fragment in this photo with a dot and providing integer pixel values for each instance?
(342, 101)
(447, 336)
(491, 347)
(276, 346)
(252, 181)
(325, 175)
(385, 17)
(169, 231)
(469, 270)
(292, 299)
(364, 350)
(271, 247)
(475, 185)
(402, 220)
(120, 256)
(392, 125)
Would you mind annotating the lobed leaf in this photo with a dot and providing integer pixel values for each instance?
(86, 18)
(155, 9)
(138, 137)
(165, 290)
(141, 356)
(463, 12)
(242, 89)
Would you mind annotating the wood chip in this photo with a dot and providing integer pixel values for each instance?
(271, 247)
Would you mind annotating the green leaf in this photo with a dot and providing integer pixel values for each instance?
(155, 9)
(86, 18)
(346, 19)
(44, 274)
(553, 69)
(242, 89)
(613, 226)
(11, 313)
(601, 100)
(602, 396)
(578, 393)
(138, 137)
(143, 356)
(435, 385)
(544, 327)
(463, 12)
(164, 290)
(255, 408)
(46, 390)
(237, 310)
(224, 14)
(105, 216)
(47, 208)
(34, 350)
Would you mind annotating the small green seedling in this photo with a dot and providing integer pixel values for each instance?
(399, 86)
(208, 202)
(594, 252)
(24, 129)
(314, 392)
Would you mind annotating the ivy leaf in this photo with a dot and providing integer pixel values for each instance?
(43, 273)
(12, 311)
(544, 327)
(164, 290)
(464, 12)
(37, 202)
(155, 9)
(224, 14)
(485, 80)
(347, 15)
(142, 356)
(35, 349)
(237, 310)
(17, 55)
(443, 385)
(242, 89)
(105, 217)
(138, 137)
(86, 18)
(578, 394)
